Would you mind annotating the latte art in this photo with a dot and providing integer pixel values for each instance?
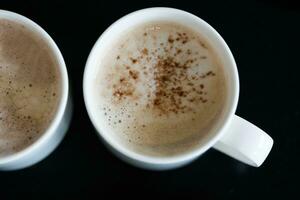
(159, 86)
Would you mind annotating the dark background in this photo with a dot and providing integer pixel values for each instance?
(263, 37)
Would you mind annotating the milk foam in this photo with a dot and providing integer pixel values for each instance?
(159, 88)
(29, 87)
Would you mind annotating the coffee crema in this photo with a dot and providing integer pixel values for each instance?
(159, 88)
(29, 87)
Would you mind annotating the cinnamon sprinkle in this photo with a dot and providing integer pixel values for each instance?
(145, 51)
(175, 90)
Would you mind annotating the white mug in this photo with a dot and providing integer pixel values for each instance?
(55, 132)
(231, 134)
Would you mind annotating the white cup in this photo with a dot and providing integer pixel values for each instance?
(231, 134)
(55, 132)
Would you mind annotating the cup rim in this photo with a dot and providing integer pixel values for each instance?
(42, 140)
(190, 155)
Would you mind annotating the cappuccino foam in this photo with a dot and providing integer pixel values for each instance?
(29, 87)
(159, 89)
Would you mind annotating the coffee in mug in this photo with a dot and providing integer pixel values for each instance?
(159, 88)
(30, 87)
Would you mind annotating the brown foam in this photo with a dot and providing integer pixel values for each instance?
(29, 87)
(168, 79)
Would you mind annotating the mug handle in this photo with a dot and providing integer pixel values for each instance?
(245, 142)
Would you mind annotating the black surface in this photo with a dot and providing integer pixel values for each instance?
(264, 38)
